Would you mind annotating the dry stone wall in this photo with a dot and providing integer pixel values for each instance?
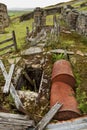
(76, 20)
(48, 11)
(4, 19)
(81, 25)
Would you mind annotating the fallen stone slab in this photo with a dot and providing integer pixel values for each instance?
(61, 51)
(32, 51)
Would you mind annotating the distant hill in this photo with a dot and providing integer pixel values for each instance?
(20, 9)
(80, 5)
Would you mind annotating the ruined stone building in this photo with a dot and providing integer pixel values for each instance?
(4, 19)
(75, 20)
(39, 18)
(81, 25)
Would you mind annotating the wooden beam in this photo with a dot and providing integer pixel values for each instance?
(47, 118)
(13, 92)
(40, 89)
(28, 78)
(8, 79)
(9, 121)
(16, 122)
(13, 116)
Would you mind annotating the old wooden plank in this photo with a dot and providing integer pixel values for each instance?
(28, 78)
(8, 79)
(7, 40)
(13, 116)
(40, 89)
(16, 122)
(13, 92)
(4, 48)
(11, 127)
(47, 118)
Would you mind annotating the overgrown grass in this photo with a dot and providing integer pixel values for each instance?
(83, 8)
(13, 14)
(20, 31)
(82, 100)
(56, 57)
(49, 19)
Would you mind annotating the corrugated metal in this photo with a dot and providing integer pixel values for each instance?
(76, 124)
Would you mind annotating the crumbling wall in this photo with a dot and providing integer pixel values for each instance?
(48, 11)
(75, 20)
(4, 19)
(81, 25)
(39, 18)
(26, 16)
(53, 10)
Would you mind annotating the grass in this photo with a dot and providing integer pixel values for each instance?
(20, 31)
(56, 57)
(83, 8)
(49, 19)
(82, 100)
(13, 14)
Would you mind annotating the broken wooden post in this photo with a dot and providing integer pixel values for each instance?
(40, 89)
(8, 79)
(13, 92)
(47, 118)
(28, 78)
(27, 31)
(14, 40)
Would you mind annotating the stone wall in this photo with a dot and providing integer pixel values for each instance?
(75, 20)
(39, 18)
(4, 15)
(26, 16)
(53, 10)
(49, 11)
(81, 25)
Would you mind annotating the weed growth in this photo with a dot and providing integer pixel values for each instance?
(56, 57)
(82, 100)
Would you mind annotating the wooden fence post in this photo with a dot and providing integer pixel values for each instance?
(27, 31)
(14, 40)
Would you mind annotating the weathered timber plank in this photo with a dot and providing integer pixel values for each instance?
(7, 40)
(13, 116)
(28, 78)
(16, 122)
(12, 127)
(8, 79)
(10, 121)
(13, 92)
(40, 89)
(47, 118)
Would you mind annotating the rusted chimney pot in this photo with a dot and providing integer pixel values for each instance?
(62, 72)
(64, 94)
